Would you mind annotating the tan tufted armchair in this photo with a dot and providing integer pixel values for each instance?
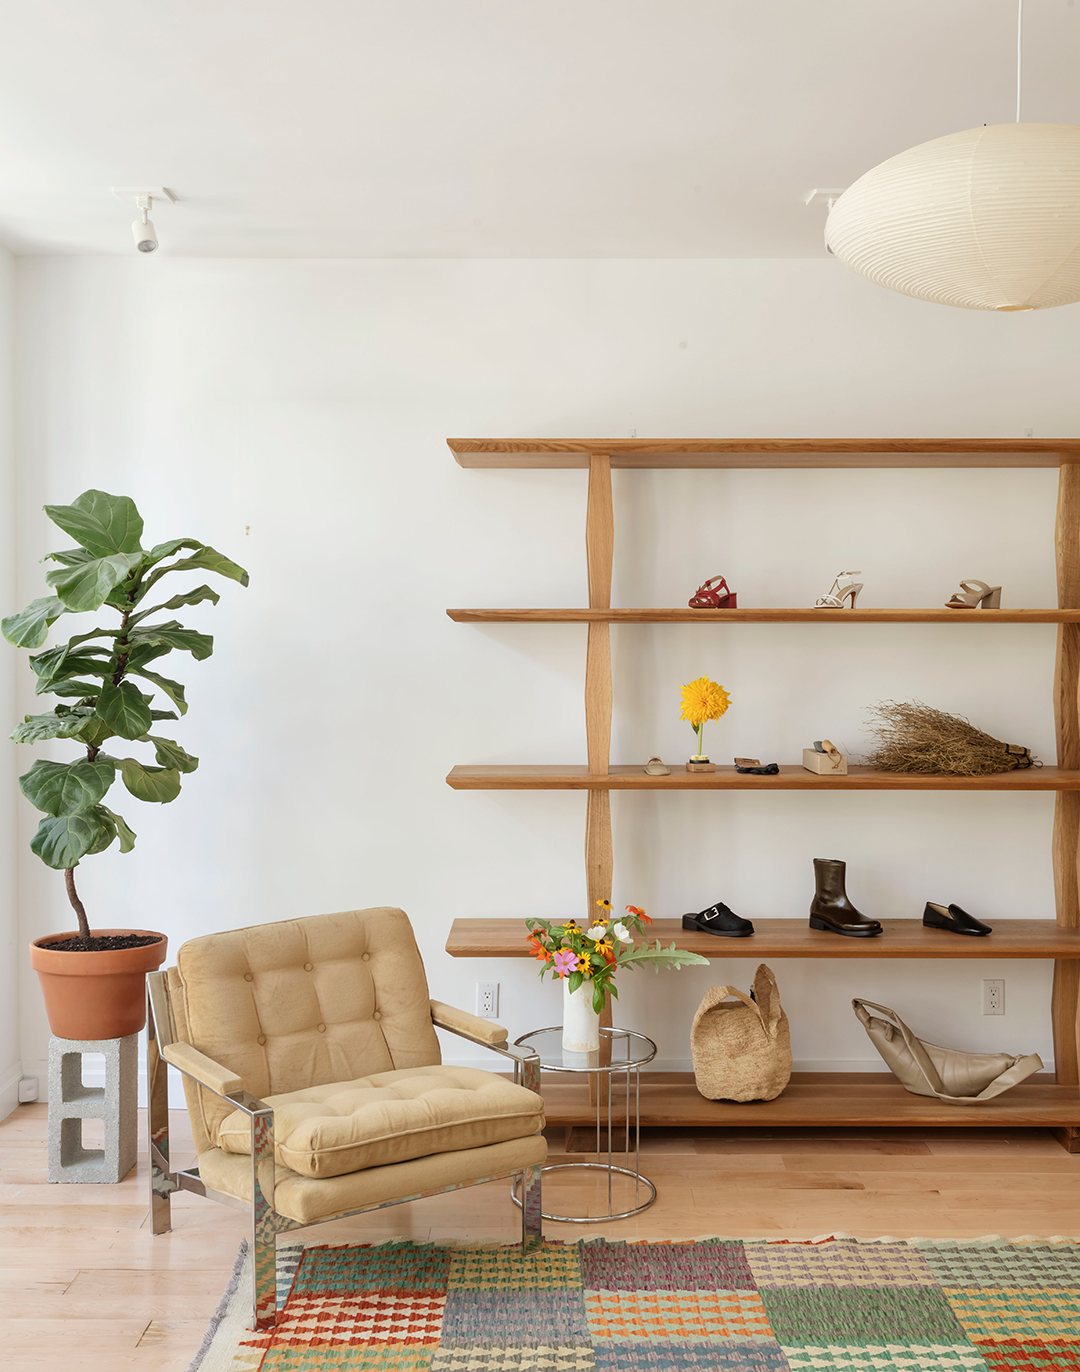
(315, 1087)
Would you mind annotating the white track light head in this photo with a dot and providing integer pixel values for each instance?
(142, 230)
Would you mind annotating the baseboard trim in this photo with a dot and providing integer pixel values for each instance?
(9, 1089)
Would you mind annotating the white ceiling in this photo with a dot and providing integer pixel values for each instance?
(490, 128)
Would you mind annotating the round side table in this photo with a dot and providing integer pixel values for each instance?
(627, 1052)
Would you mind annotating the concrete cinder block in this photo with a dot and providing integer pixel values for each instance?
(115, 1103)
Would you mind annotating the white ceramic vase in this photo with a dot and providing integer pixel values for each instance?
(581, 1023)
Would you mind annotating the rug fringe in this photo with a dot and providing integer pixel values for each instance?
(222, 1309)
(985, 1240)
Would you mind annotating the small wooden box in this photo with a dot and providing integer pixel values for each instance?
(823, 764)
(701, 766)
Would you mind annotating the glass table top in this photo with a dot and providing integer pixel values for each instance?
(627, 1050)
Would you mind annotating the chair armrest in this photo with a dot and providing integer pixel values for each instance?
(204, 1070)
(468, 1026)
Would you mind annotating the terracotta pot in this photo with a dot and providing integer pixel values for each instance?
(96, 995)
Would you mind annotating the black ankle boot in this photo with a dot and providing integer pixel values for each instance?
(831, 910)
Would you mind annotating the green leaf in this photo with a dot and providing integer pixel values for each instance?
(127, 836)
(207, 559)
(94, 633)
(598, 997)
(30, 627)
(170, 754)
(659, 957)
(163, 550)
(194, 597)
(173, 689)
(59, 664)
(61, 841)
(70, 557)
(87, 586)
(68, 724)
(173, 635)
(160, 784)
(73, 690)
(139, 654)
(123, 709)
(575, 980)
(102, 523)
(95, 731)
(66, 788)
(163, 714)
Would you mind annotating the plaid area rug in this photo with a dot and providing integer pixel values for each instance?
(890, 1305)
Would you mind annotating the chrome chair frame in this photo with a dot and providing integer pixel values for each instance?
(266, 1222)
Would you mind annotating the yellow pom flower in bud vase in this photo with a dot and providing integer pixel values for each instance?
(702, 700)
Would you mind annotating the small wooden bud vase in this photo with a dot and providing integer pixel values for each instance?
(823, 764)
(700, 765)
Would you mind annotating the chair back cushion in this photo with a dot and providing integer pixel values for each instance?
(303, 1003)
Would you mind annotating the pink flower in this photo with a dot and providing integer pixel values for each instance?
(565, 960)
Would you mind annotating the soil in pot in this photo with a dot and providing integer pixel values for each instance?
(102, 943)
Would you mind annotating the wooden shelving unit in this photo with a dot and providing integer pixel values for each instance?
(567, 777)
(793, 938)
(803, 616)
(811, 1098)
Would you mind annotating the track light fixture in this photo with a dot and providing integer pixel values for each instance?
(142, 230)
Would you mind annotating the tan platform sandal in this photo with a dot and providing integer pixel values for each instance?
(975, 595)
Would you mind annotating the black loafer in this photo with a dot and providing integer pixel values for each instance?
(954, 919)
(718, 919)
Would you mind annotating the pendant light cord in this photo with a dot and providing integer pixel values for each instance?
(1019, 53)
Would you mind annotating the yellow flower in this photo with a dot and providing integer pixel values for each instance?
(703, 700)
(584, 966)
(605, 905)
(570, 925)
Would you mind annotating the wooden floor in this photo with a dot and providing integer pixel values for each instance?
(85, 1285)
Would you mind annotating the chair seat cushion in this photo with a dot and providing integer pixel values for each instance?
(346, 1126)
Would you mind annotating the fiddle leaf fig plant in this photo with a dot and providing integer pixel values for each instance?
(99, 677)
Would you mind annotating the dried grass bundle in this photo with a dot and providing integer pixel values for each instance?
(913, 737)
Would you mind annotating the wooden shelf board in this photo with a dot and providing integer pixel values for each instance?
(567, 777)
(766, 452)
(816, 1099)
(764, 616)
(793, 938)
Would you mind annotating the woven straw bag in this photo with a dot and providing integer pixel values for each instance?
(742, 1050)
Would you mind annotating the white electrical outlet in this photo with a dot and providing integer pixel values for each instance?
(487, 999)
(993, 998)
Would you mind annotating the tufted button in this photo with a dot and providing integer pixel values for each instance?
(262, 1038)
(308, 967)
(321, 1028)
(248, 976)
(377, 1015)
(365, 957)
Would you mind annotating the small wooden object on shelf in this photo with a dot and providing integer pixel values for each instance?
(826, 1103)
(700, 764)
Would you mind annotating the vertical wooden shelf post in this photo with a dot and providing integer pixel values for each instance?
(1066, 843)
(600, 552)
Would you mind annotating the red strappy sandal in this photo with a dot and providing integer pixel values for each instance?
(714, 595)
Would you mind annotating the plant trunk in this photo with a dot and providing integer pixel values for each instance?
(76, 903)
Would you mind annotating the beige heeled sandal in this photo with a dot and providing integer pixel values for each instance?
(975, 595)
(838, 594)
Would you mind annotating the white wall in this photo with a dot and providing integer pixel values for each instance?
(294, 415)
(10, 1060)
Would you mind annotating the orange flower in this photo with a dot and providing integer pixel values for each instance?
(537, 948)
(641, 915)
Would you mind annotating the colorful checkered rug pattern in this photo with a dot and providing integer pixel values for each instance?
(745, 1305)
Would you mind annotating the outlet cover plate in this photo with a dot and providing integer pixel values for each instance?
(487, 999)
(993, 996)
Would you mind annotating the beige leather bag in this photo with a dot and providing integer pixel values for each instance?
(927, 1070)
(742, 1050)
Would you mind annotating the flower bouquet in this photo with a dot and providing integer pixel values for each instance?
(586, 960)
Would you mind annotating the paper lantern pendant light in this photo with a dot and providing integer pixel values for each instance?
(987, 219)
